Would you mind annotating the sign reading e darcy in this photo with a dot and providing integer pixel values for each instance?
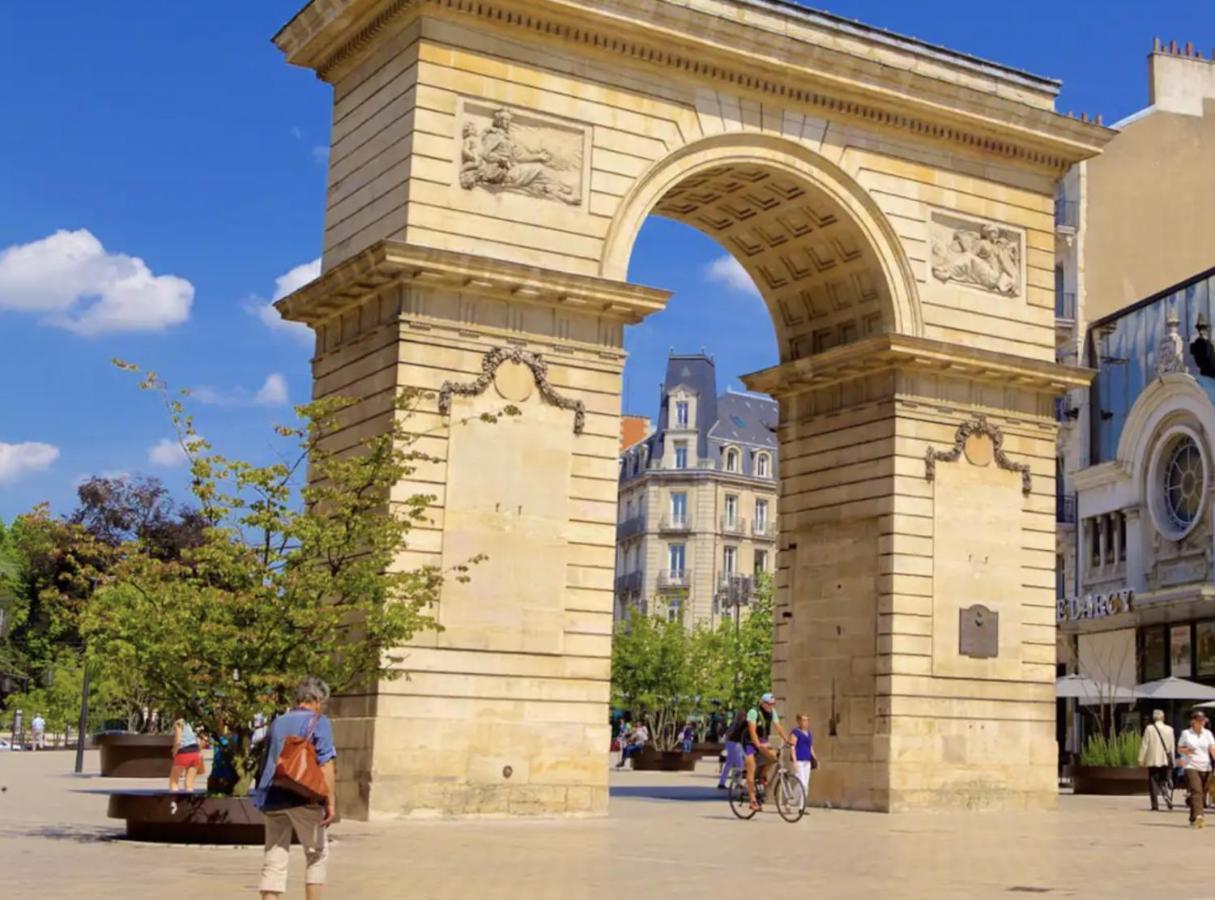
(1094, 606)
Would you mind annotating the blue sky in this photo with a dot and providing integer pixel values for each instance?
(168, 165)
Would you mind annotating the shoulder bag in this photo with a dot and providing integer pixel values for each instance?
(297, 770)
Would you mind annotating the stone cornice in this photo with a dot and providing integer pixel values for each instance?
(331, 35)
(904, 353)
(1100, 475)
(393, 262)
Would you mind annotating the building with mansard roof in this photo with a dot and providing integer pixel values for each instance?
(697, 498)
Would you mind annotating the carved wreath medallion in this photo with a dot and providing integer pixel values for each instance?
(489, 367)
(978, 426)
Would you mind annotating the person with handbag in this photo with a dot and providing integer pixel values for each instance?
(1158, 752)
(1195, 745)
(296, 790)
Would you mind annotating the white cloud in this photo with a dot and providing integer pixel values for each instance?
(17, 460)
(284, 285)
(728, 271)
(273, 392)
(168, 453)
(76, 284)
(320, 155)
(296, 279)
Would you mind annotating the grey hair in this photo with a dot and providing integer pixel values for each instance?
(311, 690)
(1158, 715)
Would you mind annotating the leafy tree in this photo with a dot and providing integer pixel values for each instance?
(288, 579)
(116, 510)
(57, 697)
(748, 647)
(666, 672)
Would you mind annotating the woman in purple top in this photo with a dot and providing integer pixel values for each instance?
(803, 752)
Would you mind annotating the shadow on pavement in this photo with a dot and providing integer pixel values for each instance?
(679, 792)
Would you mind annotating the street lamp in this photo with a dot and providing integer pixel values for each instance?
(738, 592)
(84, 694)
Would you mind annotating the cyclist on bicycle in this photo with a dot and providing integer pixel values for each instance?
(760, 722)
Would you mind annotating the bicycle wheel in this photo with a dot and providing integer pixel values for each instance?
(790, 797)
(740, 803)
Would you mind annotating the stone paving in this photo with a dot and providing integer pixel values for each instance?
(668, 836)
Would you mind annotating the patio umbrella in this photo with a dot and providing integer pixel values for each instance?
(1091, 692)
(1174, 689)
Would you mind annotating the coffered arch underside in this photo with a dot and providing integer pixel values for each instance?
(821, 255)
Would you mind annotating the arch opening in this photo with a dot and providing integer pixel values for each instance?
(825, 260)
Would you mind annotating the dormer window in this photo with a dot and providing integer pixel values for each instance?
(733, 458)
(681, 413)
(763, 465)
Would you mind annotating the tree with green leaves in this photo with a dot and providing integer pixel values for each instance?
(297, 573)
(748, 646)
(666, 672)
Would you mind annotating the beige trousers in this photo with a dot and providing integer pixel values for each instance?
(305, 822)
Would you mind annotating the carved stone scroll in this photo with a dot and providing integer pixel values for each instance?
(521, 153)
(489, 368)
(976, 254)
(978, 426)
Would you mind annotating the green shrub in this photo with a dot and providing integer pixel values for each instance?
(1113, 752)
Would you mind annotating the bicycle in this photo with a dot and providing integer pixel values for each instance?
(788, 790)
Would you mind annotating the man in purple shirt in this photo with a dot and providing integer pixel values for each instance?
(286, 812)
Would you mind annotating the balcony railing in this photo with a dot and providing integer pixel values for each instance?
(669, 579)
(1065, 305)
(630, 527)
(765, 530)
(1065, 509)
(629, 582)
(1067, 214)
(733, 525)
(675, 523)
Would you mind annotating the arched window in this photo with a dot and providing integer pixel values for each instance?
(763, 465)
(732, 460)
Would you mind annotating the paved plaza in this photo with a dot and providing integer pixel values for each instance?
(668, 836)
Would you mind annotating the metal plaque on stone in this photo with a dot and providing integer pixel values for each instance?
(979, 632)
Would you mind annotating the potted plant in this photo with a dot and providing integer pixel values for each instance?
(1110, 765)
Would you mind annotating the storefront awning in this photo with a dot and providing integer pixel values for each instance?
(1091, 692)
(1174, 689)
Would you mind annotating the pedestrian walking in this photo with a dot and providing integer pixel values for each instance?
(803, 754)
(288, 812)
(187, 756)
(1158, 752)
(688, 737)
(38, 728)
(1195, 746)
(734, 751)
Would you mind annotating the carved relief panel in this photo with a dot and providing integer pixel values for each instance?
(978, 255)
(513, 151)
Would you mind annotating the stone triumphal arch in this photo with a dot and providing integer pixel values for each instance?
(491, 164)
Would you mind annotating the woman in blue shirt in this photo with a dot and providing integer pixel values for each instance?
(286, 812)
(803, 752)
